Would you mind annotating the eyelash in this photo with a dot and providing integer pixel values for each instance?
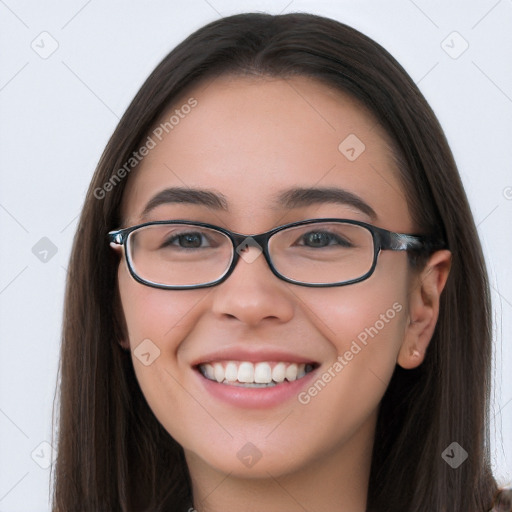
(333, 236)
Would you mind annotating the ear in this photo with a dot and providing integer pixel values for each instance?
(124, 344)
(120, 321)
(423, 309)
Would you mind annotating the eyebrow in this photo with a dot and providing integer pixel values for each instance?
(288, 199)
(299, 197)
(185, 195)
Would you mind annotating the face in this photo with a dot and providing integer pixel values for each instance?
(250, 139)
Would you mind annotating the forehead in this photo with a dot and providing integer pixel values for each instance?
(251, 137)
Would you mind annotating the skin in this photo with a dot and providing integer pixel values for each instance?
(249, 138)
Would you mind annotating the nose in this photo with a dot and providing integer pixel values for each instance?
(252, 293)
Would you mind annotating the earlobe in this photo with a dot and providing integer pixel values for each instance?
(424, 299)
(124, 344)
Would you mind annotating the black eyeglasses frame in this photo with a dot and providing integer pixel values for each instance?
(383, 239)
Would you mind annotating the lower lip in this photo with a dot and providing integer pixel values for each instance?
(256, 398)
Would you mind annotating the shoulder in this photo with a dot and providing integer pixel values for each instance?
(503, 502)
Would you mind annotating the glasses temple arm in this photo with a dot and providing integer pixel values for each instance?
(116, 237)
(404, 242)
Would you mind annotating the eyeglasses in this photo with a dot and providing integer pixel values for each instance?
(181, 254)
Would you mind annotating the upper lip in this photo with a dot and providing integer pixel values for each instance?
(253, 356)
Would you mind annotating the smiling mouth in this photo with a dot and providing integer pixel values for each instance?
(254, 375)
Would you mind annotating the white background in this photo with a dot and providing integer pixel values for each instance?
(56, 115)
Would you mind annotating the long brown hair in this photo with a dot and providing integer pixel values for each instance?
(113, 454)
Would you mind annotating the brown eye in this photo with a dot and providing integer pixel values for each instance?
(185, 240)
(324, 239)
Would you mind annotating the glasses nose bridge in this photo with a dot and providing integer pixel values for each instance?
(261, 239)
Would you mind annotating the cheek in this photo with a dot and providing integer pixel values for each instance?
(365, 324)
(158, 315)
(157, 321)
(372, 312)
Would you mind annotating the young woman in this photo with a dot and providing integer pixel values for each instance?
(277, 298)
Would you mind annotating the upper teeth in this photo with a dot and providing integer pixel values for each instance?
(260, 373)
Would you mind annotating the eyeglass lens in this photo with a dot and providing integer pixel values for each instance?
(181, 255)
